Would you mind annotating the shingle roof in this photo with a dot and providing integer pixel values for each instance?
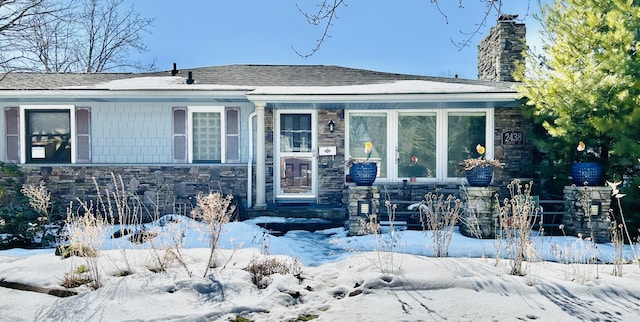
(237, 75)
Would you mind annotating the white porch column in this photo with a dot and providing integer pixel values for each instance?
(261, 181)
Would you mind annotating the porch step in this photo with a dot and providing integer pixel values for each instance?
(283, 218)
(278, 226)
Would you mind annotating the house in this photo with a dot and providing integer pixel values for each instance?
(273, 136)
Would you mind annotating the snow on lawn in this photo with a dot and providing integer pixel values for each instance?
(342, 278)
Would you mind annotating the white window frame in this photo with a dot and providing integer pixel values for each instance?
(442, 144)
(223, 125)
(441, 139)
(23, 127)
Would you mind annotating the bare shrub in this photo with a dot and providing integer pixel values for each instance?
(215, 209)
(87, 229)
(113, 204)
(125, 210)
(260, 268)
(76, 277)
(385, 243)
(578, 258)
(619, 231)
(517, 215)
(73, 280)
(583, 253)
(439, 215)
(40, 200)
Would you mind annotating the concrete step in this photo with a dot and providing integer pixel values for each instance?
(283, 218)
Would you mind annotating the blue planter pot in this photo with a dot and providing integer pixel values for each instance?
(480, 176)
(364, 174)
(589, 173)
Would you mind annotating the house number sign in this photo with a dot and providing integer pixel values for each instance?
(512, 138)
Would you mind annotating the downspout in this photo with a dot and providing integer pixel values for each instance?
(250, 162)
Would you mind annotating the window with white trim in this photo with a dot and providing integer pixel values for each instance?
(206, 134)
(426, 144)
(47, 134)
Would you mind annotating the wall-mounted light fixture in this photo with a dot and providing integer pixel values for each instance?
(595, 208)
(364, 208)
(332, 126)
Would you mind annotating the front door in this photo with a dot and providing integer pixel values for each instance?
(296, 146)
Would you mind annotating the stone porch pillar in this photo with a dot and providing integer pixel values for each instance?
(480, 216)
(261, 181)
(588, 212)
(354, 197)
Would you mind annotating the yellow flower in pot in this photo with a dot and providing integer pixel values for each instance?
(479, 171)
(364, 173)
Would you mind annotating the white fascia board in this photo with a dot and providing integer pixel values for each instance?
(386, 98)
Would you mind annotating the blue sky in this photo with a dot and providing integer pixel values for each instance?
(408, 36)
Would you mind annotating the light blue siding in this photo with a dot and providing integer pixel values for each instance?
(136, 132)
(131, 133)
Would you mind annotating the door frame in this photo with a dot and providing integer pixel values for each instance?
(312, 195)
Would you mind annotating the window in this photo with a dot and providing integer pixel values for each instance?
(295, 132)
(205, 142)
(206, 134)
(369, 127)
(465, 131)
(417, 146)
(47, 134)
(425, 144)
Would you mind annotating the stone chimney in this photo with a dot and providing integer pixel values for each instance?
(501, 49)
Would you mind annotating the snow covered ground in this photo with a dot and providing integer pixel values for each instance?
(341, 278)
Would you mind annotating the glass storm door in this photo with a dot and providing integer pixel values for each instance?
(296, 156)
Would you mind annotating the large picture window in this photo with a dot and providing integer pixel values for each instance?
(422, 144)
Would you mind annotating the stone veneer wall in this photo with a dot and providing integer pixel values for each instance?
(379, 193)
(580, 199)
(171, 187)
(518, 159)
(500, 50)
(268, 136)
(331, 169)
(480, 216)
(353, 194)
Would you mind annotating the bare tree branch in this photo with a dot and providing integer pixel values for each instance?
(111, 35)
(71, 35)
(326, 13)
(15, 18)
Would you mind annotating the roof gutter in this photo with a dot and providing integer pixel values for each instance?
(385, 98)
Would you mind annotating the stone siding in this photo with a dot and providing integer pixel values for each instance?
(171, 188)
(269, 127)
(588, 212)
(331, 169)
(480, 216)
(378, 194)
(499, 51)
(353, 194)
(518, 159)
